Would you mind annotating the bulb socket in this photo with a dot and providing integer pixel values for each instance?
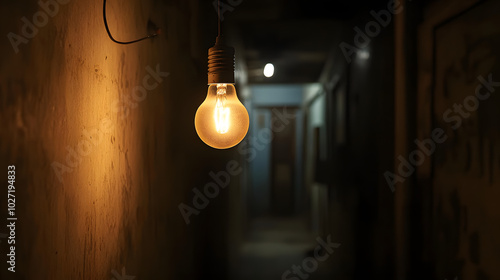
(220, 63)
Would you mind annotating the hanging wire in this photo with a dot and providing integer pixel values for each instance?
(120, 42)
(218, 14)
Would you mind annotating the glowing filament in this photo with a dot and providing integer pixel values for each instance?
(221, 113)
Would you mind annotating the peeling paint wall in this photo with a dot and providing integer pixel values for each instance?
(465, 184)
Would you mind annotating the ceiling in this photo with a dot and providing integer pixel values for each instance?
(294, 35)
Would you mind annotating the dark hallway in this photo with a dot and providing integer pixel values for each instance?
(238, 139)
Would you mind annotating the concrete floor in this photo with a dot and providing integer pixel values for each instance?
(272, 246)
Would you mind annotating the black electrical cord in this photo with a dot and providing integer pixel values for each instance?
(218, 15)
(111, 36)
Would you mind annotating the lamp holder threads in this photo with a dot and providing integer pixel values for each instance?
(220, 63)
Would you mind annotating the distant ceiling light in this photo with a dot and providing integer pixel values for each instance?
(269, 70)
(363, 54)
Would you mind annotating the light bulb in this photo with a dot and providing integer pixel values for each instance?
(221, 121)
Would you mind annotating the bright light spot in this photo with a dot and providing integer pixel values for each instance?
(221, 113)
(221, 117)
(269, 70)
(363, 54)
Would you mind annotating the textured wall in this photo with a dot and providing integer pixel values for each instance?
(465, 185)
(69, 102)
(360, 148)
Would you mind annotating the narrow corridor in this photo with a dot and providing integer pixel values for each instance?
(250, 139)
